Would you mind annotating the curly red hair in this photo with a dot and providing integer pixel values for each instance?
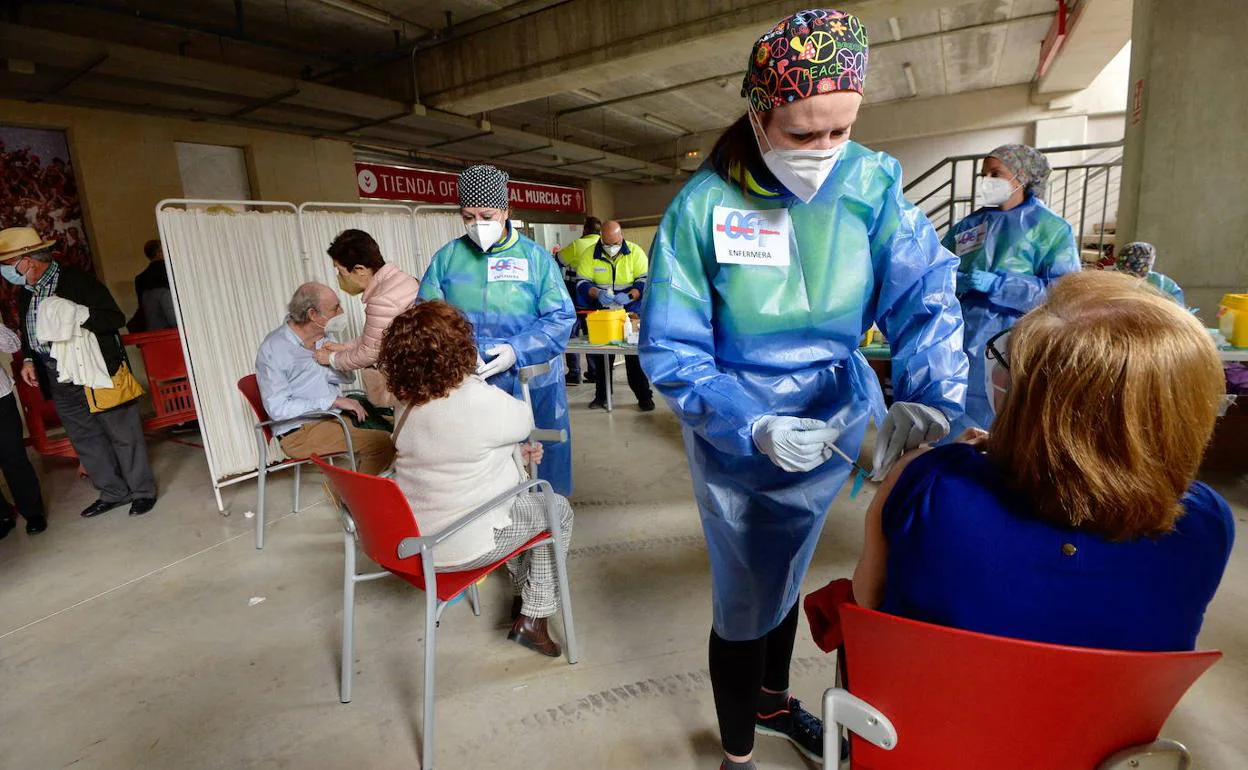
(427, 352)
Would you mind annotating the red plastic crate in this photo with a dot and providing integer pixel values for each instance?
(168, 383)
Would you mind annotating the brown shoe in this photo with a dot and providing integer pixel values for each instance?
(517, 604)
(532, 633)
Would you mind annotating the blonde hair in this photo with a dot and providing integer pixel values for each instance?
(1114, 390)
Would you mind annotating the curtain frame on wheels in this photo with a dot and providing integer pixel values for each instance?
(306, 268)
(171, 267)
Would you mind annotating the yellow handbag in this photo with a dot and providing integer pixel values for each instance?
(125, 389)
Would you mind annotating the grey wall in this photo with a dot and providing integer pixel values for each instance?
(1184, 182)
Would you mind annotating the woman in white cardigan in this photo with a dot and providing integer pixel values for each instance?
(460, 443)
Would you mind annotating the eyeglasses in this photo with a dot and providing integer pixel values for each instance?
(996, 349)
(997, 370)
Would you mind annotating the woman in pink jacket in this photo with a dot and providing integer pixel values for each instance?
(387, 291)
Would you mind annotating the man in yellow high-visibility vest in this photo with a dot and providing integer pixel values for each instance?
(569, 257)
(613, 275)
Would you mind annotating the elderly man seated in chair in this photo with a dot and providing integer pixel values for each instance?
(292, 384)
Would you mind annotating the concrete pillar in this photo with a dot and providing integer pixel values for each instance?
(1184, 186)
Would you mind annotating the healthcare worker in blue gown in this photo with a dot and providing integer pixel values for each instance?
(1010, 249)
(767, 269)
(1138, 258)
(513, 293)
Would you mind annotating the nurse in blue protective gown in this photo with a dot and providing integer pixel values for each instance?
(1010, 250)
(1138, 259)
(514, 295)
(767, 269)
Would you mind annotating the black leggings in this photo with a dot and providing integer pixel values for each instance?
(14, 462)
(739, 670)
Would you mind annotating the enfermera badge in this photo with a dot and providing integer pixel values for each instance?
(744, 237)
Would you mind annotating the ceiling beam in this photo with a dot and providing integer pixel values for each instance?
(440, 36)
(903, 119)
(151, 73)
(262, 103)
(875, 48)
(77, 74)
(233, 32)
(647, 94)
(1096, 34)
(378, 121)
(569, 46)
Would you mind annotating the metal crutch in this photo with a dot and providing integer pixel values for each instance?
(527, 374)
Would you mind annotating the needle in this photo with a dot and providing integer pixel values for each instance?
(862, 472)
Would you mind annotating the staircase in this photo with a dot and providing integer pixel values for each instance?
(1083, 189)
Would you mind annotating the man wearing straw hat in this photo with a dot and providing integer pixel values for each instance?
(110, 444)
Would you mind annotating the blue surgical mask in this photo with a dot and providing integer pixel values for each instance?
(11, 275)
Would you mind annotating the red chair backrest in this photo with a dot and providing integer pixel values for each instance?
(968, 701)
(41, 412)
(250, 389)
(41, 417)
(381, 512)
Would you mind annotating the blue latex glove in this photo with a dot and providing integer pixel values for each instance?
(964, 283)
(608, 299)
(984, 281)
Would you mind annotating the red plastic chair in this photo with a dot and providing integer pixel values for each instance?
(937, 698)
(264, 434)
(377, 515)
(41, 417)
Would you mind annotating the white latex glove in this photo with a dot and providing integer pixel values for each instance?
(906, 426)
(794, 444)
(502, 358)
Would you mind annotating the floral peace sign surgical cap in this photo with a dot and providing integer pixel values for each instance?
(811, 52)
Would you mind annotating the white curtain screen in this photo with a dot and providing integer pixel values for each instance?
(233, 274)
(434, 228)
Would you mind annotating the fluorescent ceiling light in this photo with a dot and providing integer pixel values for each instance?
(914, 88)
(666, 125)
(895, 27)
(587, 94)
(359, 9)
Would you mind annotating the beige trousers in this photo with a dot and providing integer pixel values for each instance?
(373, 450)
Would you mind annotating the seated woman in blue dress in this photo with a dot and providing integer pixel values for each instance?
(1078, 520)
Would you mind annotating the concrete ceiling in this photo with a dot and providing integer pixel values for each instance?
(975, 46)
(575, 88)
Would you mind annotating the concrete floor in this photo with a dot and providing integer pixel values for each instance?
(131, 643)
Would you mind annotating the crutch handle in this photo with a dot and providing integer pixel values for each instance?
(549, 436)
(536, 370)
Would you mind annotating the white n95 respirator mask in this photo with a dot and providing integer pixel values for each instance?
(485, 233)
(802, 172)
(337, 324)
(993, 192)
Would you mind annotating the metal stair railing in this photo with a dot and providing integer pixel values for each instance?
(1084, 193)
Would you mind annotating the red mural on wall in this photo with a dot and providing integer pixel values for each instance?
(38, 189)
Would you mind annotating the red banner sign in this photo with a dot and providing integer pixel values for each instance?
(410, 184)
